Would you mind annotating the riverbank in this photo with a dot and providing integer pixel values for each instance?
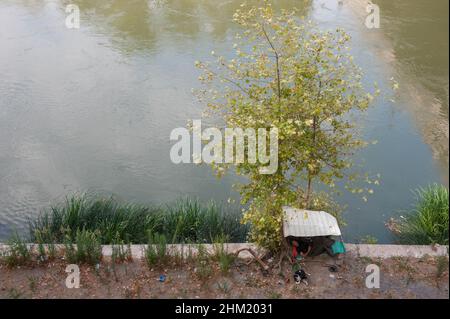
(405, 272)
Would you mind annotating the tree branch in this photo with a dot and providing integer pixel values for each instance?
(277, 58)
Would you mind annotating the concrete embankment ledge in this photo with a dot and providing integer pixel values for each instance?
(356, 250)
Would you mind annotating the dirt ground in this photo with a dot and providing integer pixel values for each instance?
(399, 278)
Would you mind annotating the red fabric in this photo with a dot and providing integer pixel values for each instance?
(294, 251)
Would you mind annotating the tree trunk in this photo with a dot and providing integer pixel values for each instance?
(310, 174)
(308, 191)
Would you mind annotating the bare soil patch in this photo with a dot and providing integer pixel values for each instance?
(400, 277)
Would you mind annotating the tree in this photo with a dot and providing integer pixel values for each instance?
(290, 75)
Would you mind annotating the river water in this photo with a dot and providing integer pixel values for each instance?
(92, 108)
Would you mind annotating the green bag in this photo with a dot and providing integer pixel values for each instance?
(338, 247)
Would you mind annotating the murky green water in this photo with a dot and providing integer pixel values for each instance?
(92, 109)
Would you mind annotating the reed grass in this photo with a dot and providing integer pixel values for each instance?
(427, 223)
(183, 221)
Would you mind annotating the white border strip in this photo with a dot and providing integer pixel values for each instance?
(357, 250)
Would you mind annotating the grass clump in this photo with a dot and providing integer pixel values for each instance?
(203, 268)
(120, 252)
(427, 223)
(224, 259)
(128, 221)
(47, 249)
(187, 220)
(369, 239)
(84, 248)
(223, 286)
(156, 252)
(182, 221)
(19, 253)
